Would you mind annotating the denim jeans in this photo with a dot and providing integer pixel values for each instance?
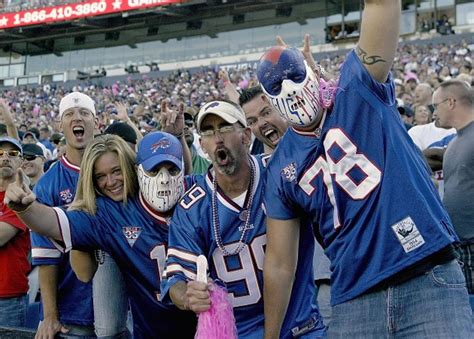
(13, 311)
(432, 305)
(324, 302)
(110, 299)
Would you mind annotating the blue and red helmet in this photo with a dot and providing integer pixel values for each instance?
(291, 86)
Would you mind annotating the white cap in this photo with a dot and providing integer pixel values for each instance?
(76, 99)
(227, 111)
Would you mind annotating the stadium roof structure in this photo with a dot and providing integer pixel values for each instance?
(128, 22)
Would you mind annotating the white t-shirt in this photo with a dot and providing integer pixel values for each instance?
(425, 135)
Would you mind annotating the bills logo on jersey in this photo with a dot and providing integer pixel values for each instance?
(66, 196)
(164, 143)
(131, 233)
(289, 172)
(408, 235)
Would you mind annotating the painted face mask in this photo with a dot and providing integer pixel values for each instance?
(163, 190)
(292, 87)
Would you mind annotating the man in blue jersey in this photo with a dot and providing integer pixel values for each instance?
(132, 227)
(221, 217)
(348, 162)
(66, 302)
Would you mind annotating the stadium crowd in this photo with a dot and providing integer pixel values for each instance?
(180, 105)
(38, 106)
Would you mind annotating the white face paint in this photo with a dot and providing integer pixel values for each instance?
(163, 190)
(299, 103)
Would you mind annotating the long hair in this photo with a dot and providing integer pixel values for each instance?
(87, 189)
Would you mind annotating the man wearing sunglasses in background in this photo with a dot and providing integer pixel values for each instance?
(14, 243)
(33, 163)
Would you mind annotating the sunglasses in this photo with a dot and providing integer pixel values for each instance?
(11, 152)
(30, 157)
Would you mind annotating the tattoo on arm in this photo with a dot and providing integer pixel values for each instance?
(368, 59)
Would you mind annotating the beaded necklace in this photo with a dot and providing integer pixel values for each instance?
(215, 215)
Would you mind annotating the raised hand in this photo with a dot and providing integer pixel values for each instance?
(121, 114)
(4, 107)
(172, 121)
(308, 56)
(18, 195)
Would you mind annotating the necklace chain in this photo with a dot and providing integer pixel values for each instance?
(247, 209)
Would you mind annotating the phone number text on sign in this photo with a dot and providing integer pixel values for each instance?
(75, 11)
(58, 13)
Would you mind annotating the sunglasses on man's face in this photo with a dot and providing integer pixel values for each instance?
(30, 157)
(10, 152)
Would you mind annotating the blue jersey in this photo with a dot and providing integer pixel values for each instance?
(136, 237)
(57, 187)
(364, 181)
(192, 234)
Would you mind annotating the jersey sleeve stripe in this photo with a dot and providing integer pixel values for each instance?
(65, 230)
(45, 253)
(173, 269)
(186, 256)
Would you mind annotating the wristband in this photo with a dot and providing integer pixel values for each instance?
(26, 209)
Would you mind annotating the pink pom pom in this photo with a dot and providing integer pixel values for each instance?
(218, 322)
(327, 92)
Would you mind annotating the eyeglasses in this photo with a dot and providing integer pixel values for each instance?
(30, 157)
(10, 152)
(435, 106)
(222, 131)
(189, 123)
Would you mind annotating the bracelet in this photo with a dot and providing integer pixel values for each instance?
(178, 136)
(26, 209)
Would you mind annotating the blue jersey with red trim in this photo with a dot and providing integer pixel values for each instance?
(57, 187)
(363, 181)
(136, 237)
(192, 234)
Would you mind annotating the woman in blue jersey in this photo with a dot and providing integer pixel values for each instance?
(109, 213)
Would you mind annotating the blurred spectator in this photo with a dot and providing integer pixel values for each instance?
(200, 164)
(14, 244)
(33, 163)
(422, 115)
(454, 102)
(44, 135)
(443, 26)
(406, 113)
(423, 93)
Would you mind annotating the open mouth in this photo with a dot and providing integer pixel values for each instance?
(222, 156)
(165, 193)
(78, 131)
(272, 135)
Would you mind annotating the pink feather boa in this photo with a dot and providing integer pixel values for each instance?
(218, 322)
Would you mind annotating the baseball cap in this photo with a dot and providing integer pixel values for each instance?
(189, 113)
(227, 111)
(158, 147)
(32, 149)
(123, 130)
(12, 141)
(76, 99)
(405, 110)
(29, 133)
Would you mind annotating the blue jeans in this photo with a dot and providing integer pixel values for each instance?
(110, 299)
(13, 311)
(432, 305)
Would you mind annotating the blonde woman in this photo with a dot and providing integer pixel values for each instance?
(110, 213)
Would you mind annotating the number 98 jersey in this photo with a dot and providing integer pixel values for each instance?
(192, 234)
(366, 184)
